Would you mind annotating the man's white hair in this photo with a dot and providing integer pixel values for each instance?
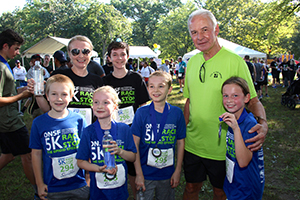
(202, 12)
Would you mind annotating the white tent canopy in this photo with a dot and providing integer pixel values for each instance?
(141, 52)
(48, 45)
(238, 49)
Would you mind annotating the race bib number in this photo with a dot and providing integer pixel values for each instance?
(164, 160)
(179, 74)
(86, 112)
(229, 169)
(125, 115)
(107, 181)
(65, 167)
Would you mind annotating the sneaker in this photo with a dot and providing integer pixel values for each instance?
(267, 95)
(179, 92)
(274, 86)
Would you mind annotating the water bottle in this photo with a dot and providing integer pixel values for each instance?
(109, 159)
(140, 195)
(38, 76)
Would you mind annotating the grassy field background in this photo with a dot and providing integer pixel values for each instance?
(281, 150)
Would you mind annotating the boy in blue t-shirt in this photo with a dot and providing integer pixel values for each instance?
(54, 139)
(156, 148)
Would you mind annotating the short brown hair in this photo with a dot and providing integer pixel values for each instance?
(59, 78)
(117, 45)
(164, 74)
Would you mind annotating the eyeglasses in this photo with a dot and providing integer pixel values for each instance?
(76, 52)
(202, 73)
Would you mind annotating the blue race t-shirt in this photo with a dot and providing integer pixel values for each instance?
(59, 140)
(247, 182)
(174, 130)
(91, 148)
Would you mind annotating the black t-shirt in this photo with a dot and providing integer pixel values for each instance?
(251, 69)
(84, 87)
(153, 65)
(108, 69)
(131, 89)
(94, 68)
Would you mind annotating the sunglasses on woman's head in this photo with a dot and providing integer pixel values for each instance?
(76, 52)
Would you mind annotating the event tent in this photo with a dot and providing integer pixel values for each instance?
(141, 52)
(238, 49)
(48, 45)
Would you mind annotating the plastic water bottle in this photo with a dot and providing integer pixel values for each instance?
(38, 76)
(109, 159)
(140, 195)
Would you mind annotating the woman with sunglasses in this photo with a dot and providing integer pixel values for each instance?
(80, 52)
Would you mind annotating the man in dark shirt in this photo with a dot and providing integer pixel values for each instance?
(60, 60)
(153, 64)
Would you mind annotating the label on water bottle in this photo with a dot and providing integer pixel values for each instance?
(108, 158)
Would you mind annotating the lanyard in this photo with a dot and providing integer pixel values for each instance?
(100, 131)
(157, 133)
(6, 63)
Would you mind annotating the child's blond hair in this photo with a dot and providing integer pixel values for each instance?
(59, 78)
(110, 90)
(164, 74)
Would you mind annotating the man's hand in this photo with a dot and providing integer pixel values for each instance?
(258, 140)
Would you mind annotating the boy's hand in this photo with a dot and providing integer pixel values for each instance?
(109, 171)
(175, 179)
(114, 148)
(42, 191)
(140, 182)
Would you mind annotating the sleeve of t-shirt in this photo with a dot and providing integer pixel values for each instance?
(142, 92)
(83, 151)
(136, 126)
(2, 79)
(35, 140)
(129, 143)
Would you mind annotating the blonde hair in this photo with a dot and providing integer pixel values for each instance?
(164, 74)
(59, 78)
(80, 38)
(108, 89)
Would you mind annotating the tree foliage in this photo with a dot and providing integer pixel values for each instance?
(145, 15)
(172, 32)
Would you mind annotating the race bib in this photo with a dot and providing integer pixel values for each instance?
(229, 169)
(86, 112)
(179, 74)
(164, 160)
(65, 167)
(124, 115)
(107, 181)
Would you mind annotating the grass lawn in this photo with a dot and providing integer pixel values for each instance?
(281, 150)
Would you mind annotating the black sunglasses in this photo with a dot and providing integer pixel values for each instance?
(76, 52)
(202, 73)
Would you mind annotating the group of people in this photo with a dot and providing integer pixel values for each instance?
(215, 135)
(288, 70)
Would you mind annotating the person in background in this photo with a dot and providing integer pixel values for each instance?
(95, 68)
(205, 74)
(275, 72)
(14, 136)
(60, 60)
(146, 70)
(181, 73)
(165, 67)
(251, 68)
(259, 77)
(129, 64)
(108, 67)
(284, 70)
(20, 74)
(46, 64)
(265, 83)
(153, 64)
(292, 70)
